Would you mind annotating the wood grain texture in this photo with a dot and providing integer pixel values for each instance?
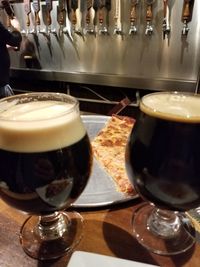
(106, 231)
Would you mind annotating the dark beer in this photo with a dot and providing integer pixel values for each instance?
(163, 152)
(45, 156)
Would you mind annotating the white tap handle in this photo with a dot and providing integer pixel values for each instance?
(117, 16)
(167, 15)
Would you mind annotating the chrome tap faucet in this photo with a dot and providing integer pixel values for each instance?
(133, 29)
(103, 30)
(149, 17)
(166, 29)
(118, 31)
(149, 29)
(185, 29)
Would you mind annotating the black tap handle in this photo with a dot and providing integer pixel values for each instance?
(108, 5)
(8, 8)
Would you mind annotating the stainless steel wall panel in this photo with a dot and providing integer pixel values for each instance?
(137, 61)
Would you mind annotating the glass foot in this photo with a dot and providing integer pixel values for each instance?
(163, 232)
(52, 236)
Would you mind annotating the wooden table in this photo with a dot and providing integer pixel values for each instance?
(107, 231)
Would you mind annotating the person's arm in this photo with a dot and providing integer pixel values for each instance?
(13, 38)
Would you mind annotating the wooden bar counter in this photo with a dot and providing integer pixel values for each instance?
(107, 231)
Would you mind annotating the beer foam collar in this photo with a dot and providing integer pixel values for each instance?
(172, 106)
(39, 126)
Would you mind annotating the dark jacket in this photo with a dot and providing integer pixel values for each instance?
(7, 38)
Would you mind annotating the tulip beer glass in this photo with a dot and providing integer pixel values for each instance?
(163, 163)
(46, 160)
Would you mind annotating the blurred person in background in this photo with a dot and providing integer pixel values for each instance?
(9, 39)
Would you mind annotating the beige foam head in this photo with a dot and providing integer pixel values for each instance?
(183, 107)
(39, 126)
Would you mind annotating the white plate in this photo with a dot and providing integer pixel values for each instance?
(101, 189)
(87, 259)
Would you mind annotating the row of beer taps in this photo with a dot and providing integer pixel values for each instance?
(96, 19)
(186, 17)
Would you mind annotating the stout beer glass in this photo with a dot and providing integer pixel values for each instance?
(45, 163)
(163, 163)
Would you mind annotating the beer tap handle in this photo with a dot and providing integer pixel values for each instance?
(133, 17)
(89, 6)
(73, 6)
(48, 14)
(89, 29)
(186, 10)
(101, 11)
(61, 14)
(96, 5)
(149, 13)
(108, 5)
(49, 9)
(36, 8)
(101, 16)
(49, 18)
(166, 26)
(104, 8)
(165, 4)
(28, 20)
(87, 18)
(27, 8)
(37, 18)
(117, 18)
(8, 8)
(116, 15)
(67, 30)
(9, 11)
(186, 15)
(149, 17)
(133, 14)
(73, 16)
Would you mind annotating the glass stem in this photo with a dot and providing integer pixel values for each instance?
(164, 223)
(51, 226)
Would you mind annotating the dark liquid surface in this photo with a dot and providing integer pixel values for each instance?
(45, 182)
(163, 162)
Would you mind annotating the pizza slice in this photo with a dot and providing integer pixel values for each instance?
(109, 149)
